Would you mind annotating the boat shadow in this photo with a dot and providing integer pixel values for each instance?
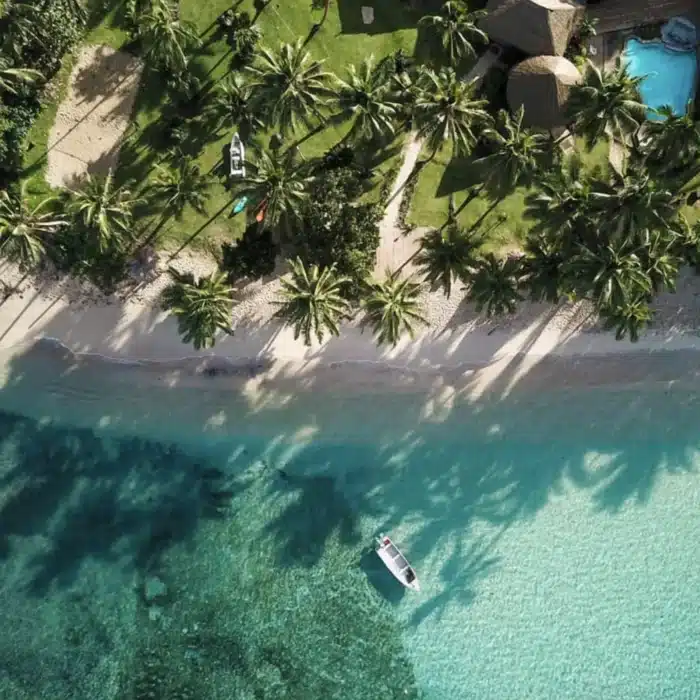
(380, 578)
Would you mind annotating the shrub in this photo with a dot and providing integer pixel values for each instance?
(337, 228)
(253, 256)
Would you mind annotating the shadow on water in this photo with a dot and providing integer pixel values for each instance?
(124, 501)
(380, 578)
(317, 512)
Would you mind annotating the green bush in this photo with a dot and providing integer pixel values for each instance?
(251, 257)
(337, 227)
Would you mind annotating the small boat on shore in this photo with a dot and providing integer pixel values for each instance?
(396, 562)
(237, 157)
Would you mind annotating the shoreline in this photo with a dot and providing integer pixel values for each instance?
(539, 347)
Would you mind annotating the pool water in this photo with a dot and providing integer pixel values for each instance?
(669, 76)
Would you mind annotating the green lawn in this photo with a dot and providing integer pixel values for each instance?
(444, 176)
(343, 40)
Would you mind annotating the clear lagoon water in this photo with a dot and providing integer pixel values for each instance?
(669, 76)
(147, 554)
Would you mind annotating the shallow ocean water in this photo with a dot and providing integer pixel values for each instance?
(557, 538)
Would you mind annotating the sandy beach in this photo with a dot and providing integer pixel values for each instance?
(459, 343)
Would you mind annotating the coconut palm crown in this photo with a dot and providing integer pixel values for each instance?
(182, 186)
(23, 227)
(516, 152)
(165, 38)
(288, 87)
(391, 308)
(446, 255)
(278, 184)
(202, 306)
(446, 110)
(457, 30)
(312, 301)
(105, 208)
(366, 98)
(606, 104)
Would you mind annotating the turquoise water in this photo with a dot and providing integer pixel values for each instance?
(669, 76)
(556, 534)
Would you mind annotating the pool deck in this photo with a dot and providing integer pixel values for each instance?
(616, 15)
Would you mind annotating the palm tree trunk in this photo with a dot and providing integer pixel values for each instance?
(154, 233)
(326, 5)
(408, 260)
(316, 130)
(484, 216)
(202, 227)
(473, 194)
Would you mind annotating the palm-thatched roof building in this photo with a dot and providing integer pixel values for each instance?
(541, 85)
(533, 26)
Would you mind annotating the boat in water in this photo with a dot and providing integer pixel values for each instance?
(396, 562)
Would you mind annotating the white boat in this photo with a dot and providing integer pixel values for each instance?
(396, 562)
(237, 157)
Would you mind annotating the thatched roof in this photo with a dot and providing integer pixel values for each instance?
(541, 86)
(533, 26)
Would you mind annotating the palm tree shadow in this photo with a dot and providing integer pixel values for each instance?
(460, 574)
(318, 512)
(123, 501)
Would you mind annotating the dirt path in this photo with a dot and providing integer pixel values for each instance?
(396, 247)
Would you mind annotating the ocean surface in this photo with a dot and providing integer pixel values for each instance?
(164, 541)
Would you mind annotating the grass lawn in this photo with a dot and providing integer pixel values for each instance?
(445, 176)
(342, 40)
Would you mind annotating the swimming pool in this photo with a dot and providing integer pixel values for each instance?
(670, 75)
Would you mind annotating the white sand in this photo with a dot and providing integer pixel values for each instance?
(477, 355)
(92, 118)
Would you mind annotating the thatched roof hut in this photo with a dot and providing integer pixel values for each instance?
(541, 86)
(533, 26)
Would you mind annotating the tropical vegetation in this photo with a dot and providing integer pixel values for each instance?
(324, 129)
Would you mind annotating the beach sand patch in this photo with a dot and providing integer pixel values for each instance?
(94, 115)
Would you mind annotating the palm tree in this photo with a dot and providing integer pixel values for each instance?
(662, 258)
(312, 301)
(165, 38)
(628, 319)
(673, 142)
(178, 188)
(391, 308)
(11, 77)
(106, 209)
(202, 306)
(23, 227)
(365, 97)
(233, 106)
(23, 22)
(562, 203)
(517, 155)
(446, 109)
(181, 187)
(288, 87)
(493, 285)
(606, 104)
(609, 273)
(541, 269)
(278, 185)
(457, 30)
(446, 255)
(640, 205)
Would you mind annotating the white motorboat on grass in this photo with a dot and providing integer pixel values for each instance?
(396, 562)
(237, 157)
